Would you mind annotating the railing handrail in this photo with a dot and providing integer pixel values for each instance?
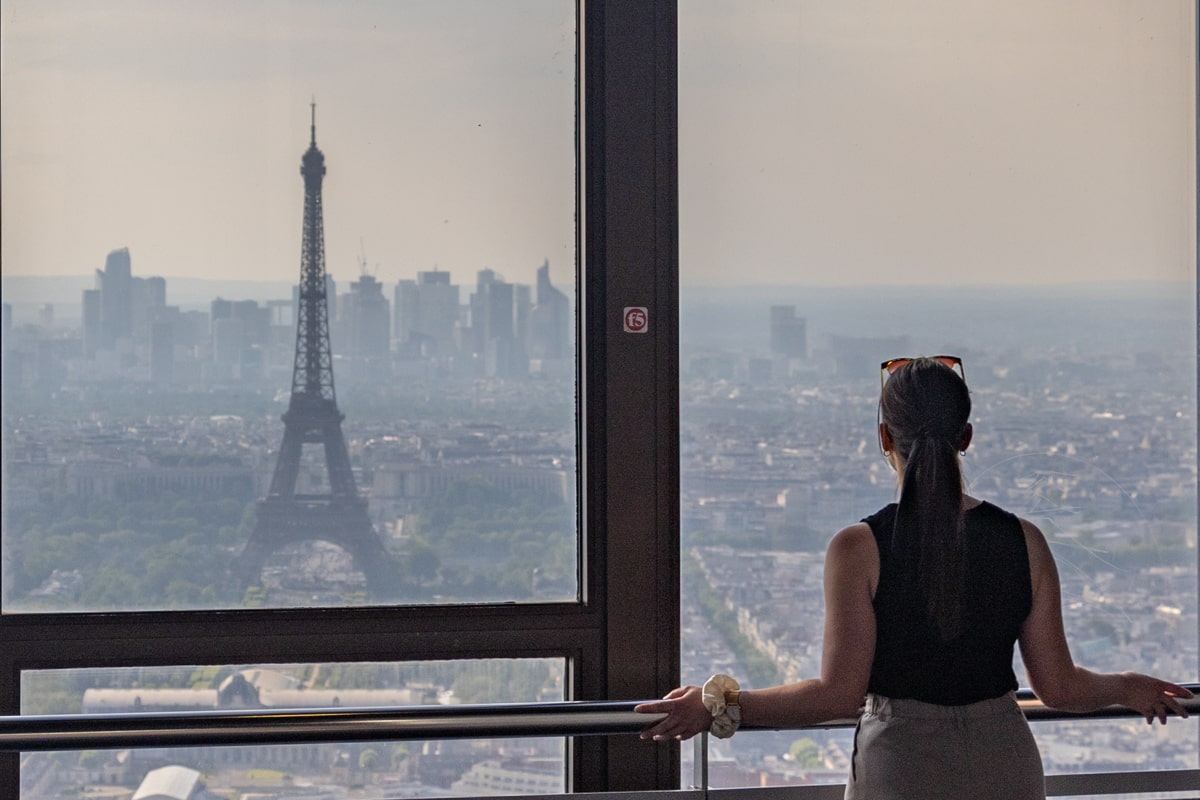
(292, 726)
(298, 725)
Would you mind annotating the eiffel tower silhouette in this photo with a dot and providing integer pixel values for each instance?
(285, 517)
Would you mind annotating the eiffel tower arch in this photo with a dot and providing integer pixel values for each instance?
(340, 517)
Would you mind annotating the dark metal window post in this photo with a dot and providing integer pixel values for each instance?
(631, 361)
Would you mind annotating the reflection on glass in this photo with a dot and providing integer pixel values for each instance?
(866, 181)
(331, 771)
(310, 339)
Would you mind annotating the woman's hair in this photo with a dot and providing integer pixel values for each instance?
(926, 408)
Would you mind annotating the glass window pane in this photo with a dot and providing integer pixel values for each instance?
(324, 770)
(288, 304)
(1015, 185)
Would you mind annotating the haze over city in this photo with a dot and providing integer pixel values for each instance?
(828, 143)
(850, 173)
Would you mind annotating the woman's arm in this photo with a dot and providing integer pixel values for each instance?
(1053, 674)
(851, 573)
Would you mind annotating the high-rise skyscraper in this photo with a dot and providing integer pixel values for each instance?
(240, 332)
(93, 332)
(162, 351)
(115, 283)
(439, 306)
(406, 304)
(550, 321)
(228, 344)
(255, 319)
(493, 326)
(119, 311)
(522, 309)
(148, 298)
(789, 333)
(426, 315)
(367, 325)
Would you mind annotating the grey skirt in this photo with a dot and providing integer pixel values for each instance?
(909, 750)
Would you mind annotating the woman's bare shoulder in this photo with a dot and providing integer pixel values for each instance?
(1035, 540)
(854, 543)
(854, 555)
(1041, 561)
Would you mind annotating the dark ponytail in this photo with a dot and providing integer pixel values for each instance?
(926, 408)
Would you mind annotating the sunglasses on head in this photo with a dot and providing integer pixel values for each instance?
(892, 364)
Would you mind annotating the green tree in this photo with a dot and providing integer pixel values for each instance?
(806, 753)
(477, 540)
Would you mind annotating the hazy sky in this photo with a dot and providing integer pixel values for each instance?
(842, 141)
(176, 128)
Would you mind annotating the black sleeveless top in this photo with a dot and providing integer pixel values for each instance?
(911, 660)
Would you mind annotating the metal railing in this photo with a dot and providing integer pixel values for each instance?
(293, 726)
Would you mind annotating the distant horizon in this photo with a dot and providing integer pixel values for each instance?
(1151, 315)
(28, 290)
(4, 276)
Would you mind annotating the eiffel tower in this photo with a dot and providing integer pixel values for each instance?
(340, 517)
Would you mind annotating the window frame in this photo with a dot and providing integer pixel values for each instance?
(627, 254)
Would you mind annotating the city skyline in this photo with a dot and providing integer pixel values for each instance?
(820, 143)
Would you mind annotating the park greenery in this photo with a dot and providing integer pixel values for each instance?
(174, 549)
(476, 542)
(170, 550)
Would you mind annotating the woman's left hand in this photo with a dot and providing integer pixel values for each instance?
(1153, 698)
(686, 715)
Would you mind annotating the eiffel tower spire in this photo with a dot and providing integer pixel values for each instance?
(312, 417)
(314, 399)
